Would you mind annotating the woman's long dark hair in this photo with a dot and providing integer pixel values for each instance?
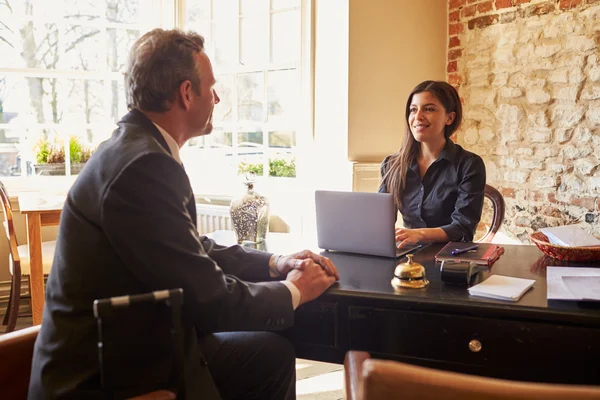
(398, 164)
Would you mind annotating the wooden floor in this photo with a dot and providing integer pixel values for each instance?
(314, 380)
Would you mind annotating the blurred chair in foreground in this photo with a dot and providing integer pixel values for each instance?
(369, 379)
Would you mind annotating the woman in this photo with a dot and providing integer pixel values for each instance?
(437, 185)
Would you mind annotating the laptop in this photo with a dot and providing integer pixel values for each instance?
(358, 222)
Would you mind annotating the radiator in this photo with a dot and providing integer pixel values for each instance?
(211, 218)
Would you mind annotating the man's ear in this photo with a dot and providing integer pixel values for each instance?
(451, 117)
(185, 95)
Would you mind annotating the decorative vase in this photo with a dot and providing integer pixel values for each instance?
(250, 214)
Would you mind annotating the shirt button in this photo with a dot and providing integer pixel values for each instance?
(421, 188)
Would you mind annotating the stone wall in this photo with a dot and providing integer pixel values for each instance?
(528, 73)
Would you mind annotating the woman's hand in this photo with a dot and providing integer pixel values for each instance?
(406, 236)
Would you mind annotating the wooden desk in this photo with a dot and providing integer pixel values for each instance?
(38, 211)
(533, 339)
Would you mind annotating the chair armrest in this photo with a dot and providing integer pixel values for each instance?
(353, 370)
(158, 395)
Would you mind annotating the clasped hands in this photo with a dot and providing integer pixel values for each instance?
(311, 273)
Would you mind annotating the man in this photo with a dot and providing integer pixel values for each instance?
(128, 226)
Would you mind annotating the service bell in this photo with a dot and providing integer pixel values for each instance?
(410, 274)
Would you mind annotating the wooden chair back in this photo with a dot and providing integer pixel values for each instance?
(498, 208)
(370, 379)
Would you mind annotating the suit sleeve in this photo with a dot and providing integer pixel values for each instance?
(145, 219)
(469, 203)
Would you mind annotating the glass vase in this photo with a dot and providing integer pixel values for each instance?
(250, 214)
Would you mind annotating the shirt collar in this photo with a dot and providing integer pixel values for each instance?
(173, 147)
(449, 151)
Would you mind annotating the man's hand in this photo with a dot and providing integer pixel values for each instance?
(285, 264)
(311, 279)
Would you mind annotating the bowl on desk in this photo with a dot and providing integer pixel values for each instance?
(564, 253)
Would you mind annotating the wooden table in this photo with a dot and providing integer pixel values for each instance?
(39, 211)
(441, 326)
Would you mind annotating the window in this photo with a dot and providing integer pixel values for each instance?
(61, 82)
(255, 48)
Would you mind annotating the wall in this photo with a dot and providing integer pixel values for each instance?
(394, 45)
(529, 76)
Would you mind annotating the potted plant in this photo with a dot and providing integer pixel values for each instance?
(50, 157)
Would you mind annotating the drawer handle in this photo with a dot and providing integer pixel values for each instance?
(475, 346)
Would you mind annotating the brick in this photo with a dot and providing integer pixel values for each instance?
(454, 79)
(482, 22)
(473, 1)
(454, 16)
(585, 202)
(500, 4)
(468, 11)
(454, 54)
(452, 4)
(455, 29)
(452, 67)
(552, 198)
(538, 9)
(485, 7)
(508, 192)
(508, 17)
(551, 212)
(453, 42)
(518, 2)
(568, 4)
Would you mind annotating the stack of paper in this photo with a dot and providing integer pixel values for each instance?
(502, 288)
(570, 235)
(570, 283)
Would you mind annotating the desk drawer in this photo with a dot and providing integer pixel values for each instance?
(512, 349)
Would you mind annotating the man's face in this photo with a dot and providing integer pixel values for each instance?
(201, 112)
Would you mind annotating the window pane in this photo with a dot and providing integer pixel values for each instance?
(250, 91)
(83, 102)
(125, 11)
(221, 139)
(197, 10)
(225, 10)
(203, 28)
(251, 162)
(40, 45)
(254, 40)
(85, 10)
(286, 36)
(282, 139)
(82, 49)
(253, 7)
(117, 100)
(278, 4)
(226, 44)
(10, 154)
(250, 139)
(119, 43)
(224, 110)
(283, 96)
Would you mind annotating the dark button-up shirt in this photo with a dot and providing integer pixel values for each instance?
(450, 196)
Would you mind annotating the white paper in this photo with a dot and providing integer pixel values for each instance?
(570, 235)
(557, 290)
(502, 287)
(584, 287)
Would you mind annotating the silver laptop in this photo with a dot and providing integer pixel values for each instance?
(358, 222)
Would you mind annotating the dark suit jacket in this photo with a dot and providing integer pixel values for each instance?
(129, 226)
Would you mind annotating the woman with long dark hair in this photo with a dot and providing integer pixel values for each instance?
(436, 184)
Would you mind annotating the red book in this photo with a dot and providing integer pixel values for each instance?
(484, 254)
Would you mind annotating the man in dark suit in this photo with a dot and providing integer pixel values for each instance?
(128, 227)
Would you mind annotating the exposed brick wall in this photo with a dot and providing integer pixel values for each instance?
(528, 72)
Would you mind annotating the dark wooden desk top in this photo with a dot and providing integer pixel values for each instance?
(369, 277)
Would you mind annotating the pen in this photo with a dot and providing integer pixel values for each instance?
(456, 252)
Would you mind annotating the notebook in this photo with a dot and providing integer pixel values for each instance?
(501, 287)
(358, 222)
(484, 254)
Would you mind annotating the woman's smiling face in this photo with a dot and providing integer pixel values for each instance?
(428, 118)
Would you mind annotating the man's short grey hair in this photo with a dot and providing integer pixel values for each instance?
(159, 62)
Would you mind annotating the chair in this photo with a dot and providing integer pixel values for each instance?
(498, 208)
(369, 379)
(19, 261)
(16, 353)
(124, 343)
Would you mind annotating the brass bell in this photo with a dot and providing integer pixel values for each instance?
(409, 275)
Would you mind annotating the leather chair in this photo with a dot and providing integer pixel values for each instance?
(19, 261)
(16, 353)
(498, 209)
(370, 379)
